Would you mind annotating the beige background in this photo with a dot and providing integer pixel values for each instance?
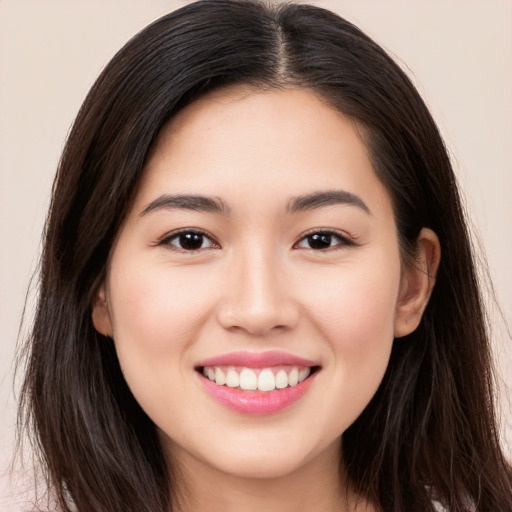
(459, 52)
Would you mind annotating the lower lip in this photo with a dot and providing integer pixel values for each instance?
(256, 402)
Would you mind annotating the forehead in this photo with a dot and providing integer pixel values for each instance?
(241, 141)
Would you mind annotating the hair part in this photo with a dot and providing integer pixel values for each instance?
(430, 430)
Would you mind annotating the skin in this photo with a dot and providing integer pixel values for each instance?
(256, 285)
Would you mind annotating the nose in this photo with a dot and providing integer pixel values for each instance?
(258, 298)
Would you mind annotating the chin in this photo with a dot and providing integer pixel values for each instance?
(262, 466)
(272, 460)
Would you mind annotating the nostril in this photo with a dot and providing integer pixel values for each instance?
(258, 308)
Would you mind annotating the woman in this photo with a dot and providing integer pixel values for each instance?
(243, 299)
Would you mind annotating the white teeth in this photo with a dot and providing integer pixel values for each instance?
(220, 377)
(281, 379)
(304, 373)
(293, 377)
(266, 380)
(262, 379)
(232, 379)
(248, 380)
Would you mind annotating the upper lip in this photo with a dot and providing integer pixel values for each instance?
(257, 359)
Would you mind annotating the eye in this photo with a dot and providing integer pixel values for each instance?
(189, 240)
(323, 240)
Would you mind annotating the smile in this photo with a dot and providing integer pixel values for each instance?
(257, 383)
(252, 379)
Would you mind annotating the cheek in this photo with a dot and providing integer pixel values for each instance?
(356, 317)
(360, 303)
(156, 318)
(156, 313)
(355, 314)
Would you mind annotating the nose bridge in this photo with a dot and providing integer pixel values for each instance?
(258, 298)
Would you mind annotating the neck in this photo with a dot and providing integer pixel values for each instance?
(317, 486)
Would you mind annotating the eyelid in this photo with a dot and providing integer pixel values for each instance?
(346, 239)
(166, 240)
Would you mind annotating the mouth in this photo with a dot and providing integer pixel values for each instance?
(257, 379)
(257, 383)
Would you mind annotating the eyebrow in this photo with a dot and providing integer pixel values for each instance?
(326, 198)
(187, 202)
(302, 203)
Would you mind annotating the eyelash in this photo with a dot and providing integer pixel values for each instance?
(343, 240)
(167, 240)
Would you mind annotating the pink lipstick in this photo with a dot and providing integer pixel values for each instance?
(256, 383)
(257, 359)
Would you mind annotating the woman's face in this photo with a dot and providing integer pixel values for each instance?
(261, 250)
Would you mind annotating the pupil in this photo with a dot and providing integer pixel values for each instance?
(319, 241)
(191, 241)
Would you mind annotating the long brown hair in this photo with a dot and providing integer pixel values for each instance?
(430, 431)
